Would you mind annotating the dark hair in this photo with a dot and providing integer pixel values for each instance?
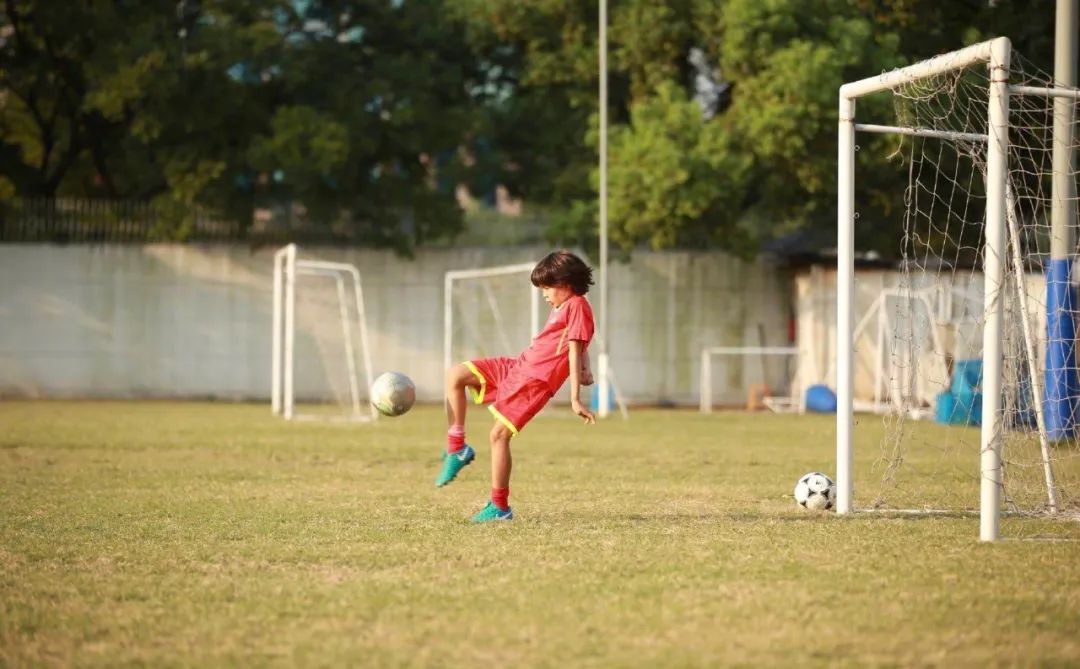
(562, 268)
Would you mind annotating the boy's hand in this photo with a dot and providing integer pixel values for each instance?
(586, 377)
(585, 414)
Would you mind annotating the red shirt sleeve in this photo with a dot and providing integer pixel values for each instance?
(579, 320)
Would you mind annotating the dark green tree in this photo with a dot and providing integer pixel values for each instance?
(761, 162)
(354, 109)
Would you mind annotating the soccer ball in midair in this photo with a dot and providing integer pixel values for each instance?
(815, 491)
(393, 393)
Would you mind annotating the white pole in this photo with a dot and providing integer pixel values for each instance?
(993, 272)
(845, 290)
(1058, 91)
(290, 327)
(490, 271)
(603, 386)
(927, 68)
(361, 316)
(534, 311)
(350, 353)
(879, 356)
(1029, 347)
(448, 321)
(275, 383)
(1063, 203)
(705, 390)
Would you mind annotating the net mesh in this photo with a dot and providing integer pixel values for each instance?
(920, 336)
(326, 384)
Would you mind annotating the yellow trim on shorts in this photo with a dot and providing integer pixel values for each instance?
(503, 419)
(478, 398)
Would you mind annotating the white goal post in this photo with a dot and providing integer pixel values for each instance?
(986, 143)
(778, 404)
(350, 309)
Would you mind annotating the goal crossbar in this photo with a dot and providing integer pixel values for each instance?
(1056, 92)
(919, 132)
(976, 53)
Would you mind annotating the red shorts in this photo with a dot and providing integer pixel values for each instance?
(514, 397)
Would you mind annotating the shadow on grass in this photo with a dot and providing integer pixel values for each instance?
(726, 516)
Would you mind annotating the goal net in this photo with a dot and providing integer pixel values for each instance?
(967, 348)
(321, 360)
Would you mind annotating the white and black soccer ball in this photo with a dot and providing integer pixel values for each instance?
(393, 393)
(815, 491)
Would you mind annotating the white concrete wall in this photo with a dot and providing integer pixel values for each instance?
(194, 321)
(909, 360)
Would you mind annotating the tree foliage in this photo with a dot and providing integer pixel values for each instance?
(372, 112)
(351, 108)
(763, 164)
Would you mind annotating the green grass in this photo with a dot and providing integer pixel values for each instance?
(166, 534)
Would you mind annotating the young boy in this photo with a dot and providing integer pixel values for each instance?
(517, 388)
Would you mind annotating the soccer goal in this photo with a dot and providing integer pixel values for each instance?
(750, 375)
(494, 311)
(975, 328)
(318, 326)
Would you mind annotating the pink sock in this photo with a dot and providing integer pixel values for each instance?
(500, 497)
(455, 438)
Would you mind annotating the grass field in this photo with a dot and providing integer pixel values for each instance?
(170, 534)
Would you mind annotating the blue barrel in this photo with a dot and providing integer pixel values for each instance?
(820, 399)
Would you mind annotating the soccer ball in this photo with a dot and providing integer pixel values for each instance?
(815, 491)
(393, 393)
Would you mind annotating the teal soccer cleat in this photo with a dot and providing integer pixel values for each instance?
(492, 512)
(454, 463)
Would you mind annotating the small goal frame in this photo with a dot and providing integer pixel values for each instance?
(705, 394)
(287, 268)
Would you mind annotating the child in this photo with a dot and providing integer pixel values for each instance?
(518, 388)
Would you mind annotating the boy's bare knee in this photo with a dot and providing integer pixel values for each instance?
(500, 433)
(458, 376)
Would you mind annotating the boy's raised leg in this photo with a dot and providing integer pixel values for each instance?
(458, 454)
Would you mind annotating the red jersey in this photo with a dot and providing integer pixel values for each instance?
(548, 356)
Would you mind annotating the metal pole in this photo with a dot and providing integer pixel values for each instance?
(350, 354)
(275, 369)
(448, 324)
(845, 290)
(603, 386)
(290, 327)
(361, 317)
(534, 311)
(997, 150)
(1031, 358)
(705, 391)
(1061, 380)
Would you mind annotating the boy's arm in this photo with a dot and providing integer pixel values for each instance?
(575, 383)
(586, 369)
